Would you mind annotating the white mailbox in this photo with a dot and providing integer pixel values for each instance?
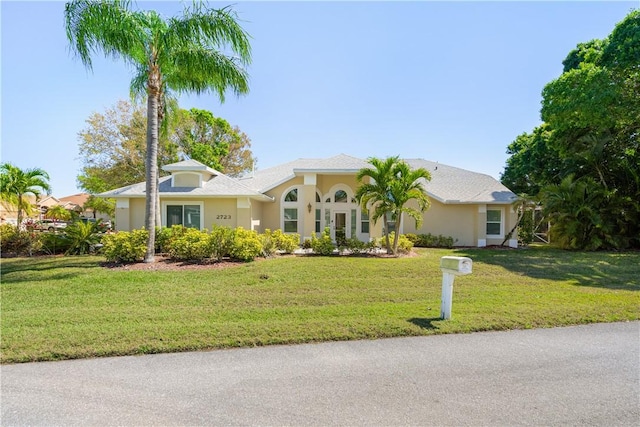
(457, 265)
(451, 267)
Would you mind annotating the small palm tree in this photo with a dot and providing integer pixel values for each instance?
(176, 54)
(392, 184)
(58, 213)
(373, 194)
(82, 237)
(16, 185)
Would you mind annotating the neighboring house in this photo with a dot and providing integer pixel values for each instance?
(76, 203)
(306, 195)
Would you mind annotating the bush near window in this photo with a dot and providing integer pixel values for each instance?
(276, 240)
(430, 241)
(222, 240)
(192, 244)
(322, 245)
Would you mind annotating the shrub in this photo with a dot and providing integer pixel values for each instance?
(191, 244)
(355, 246)
(526, 230)
(221, 240)
(247, 245)
(165, 235)
(18, 242)
(54, 243)
(125, 246)
(404, 244)
(268, 243)
(82, 236)
(277, 240)
(322, 245)
(430, 241)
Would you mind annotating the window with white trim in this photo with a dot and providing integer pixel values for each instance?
(290, 220)
(187, 215)
(364, 222)
(494, 223)
(290, 210)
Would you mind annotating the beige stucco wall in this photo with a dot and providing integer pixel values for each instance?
(457, 221)
(323, 184)
(224, 212)
(466, 223)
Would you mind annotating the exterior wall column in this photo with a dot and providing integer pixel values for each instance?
(122, 215)
(512, 215)
(243, 213)
(482, 226)
(308, 199)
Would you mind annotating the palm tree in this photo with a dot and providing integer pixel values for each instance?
(16, 185)
(575, 209)
(58, 212)
(392, 184)
(169, 55)
(372, 195)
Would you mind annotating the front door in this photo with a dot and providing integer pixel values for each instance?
(340, 226)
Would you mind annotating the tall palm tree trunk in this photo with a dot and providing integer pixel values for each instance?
(20, 201)
(151, 186)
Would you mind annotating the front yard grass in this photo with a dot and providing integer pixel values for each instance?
(72, 307)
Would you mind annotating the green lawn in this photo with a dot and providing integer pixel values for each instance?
(72, 307)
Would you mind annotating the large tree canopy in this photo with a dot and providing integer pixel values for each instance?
(183, 54)
(211, 140)
(112, 145)
(591, 133)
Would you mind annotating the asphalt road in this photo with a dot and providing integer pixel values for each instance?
(575, 376)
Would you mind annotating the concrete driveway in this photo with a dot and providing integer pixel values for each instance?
(584, 375)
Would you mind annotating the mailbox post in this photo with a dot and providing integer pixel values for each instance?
(451, 267)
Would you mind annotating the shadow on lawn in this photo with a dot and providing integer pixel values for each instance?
(425, 322)
(12, 268)
(608, 270)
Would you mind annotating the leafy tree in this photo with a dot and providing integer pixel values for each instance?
(591, 132)
(239, 160)
(17, 185)
(170, 55)
(534, 162)
(391, 185)
(201, 136)
(112, 148)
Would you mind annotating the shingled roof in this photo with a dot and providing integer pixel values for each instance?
(448, 184)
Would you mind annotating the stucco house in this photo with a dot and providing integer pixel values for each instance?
(306, 195)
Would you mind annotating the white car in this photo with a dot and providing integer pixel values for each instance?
(50, 225)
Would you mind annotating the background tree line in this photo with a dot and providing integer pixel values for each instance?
(583, 162)
(113, 145)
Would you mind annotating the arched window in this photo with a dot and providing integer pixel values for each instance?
(292, 196)
(340, 196)
(290, 211)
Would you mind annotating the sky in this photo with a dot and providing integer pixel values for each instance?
(453, 82)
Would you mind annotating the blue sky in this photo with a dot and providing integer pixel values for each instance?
(453, 82)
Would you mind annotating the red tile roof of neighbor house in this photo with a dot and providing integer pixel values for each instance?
(77, 199)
